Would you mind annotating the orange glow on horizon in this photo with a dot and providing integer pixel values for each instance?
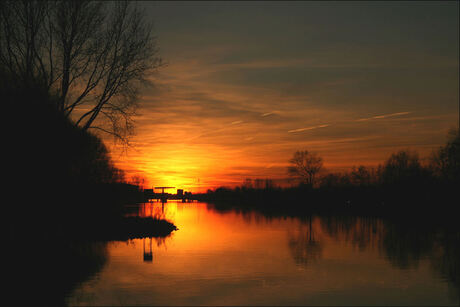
(196, 132)
(199, 167)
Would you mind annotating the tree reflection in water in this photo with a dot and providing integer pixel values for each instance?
(304, 244)
(402, 243)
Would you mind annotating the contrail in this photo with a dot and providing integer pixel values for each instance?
(307, 128)
(383, 116)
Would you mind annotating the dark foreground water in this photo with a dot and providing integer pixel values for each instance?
(230, 258)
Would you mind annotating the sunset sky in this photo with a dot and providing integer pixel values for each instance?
(249, 83)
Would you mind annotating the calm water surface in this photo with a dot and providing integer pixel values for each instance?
(230, 258)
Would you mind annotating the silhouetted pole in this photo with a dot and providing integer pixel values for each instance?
(148, 254)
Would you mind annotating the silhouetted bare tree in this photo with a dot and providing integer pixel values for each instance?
(305, 165)
(92, 55)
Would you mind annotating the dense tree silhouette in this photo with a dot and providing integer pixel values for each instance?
(445, 162)
(362, 176)
(401, 167)
(52, 161)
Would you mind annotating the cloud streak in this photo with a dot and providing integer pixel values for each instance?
(307, 128)
(383, 116)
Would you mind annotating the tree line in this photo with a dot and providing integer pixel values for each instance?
(401, 184)
(403, 168)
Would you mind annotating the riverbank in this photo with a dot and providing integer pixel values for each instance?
(85, 227)
(427, 203)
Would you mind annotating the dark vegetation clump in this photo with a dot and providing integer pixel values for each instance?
(51, 159)
(60, 176)
(133, 227)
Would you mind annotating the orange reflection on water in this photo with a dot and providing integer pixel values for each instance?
(212, 244)
(229, 258)
(203, 229)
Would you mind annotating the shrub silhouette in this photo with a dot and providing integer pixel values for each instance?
(445, 162)
(402, 168)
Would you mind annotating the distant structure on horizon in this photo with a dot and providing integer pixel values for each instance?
(181, 194)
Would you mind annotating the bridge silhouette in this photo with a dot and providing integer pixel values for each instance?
(149, 194)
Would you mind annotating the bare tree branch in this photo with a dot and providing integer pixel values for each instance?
(305, 165)
(91, 55)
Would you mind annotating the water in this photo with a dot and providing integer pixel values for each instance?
(230, 258)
